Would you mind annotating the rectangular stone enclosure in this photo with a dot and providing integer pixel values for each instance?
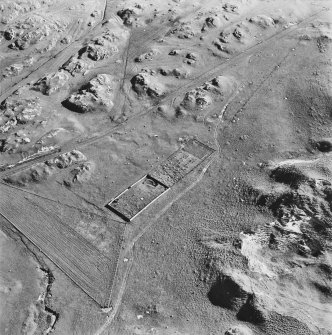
(137, 197)
(141, 194)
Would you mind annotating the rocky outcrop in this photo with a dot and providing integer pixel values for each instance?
(226, 292)
(98, 52)
(96, 96)
(239, 330)
(13, 70)
(148, 85)
(262, 21)
(127, 15)
(76, 66)
(324, 145)
(52, 83)
(286, 257)
(42, 171)
(18, 111)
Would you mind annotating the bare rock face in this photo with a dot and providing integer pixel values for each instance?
(324, 145)
(146, 84)
(37, 173)
(42, 171)
(102, 46)
(97, 95)
(146, 56)
(227, 293)
(82, 102)
(98, 52)
(211, 22)
(183, 31)
(191, 58)
(18, 111)
(9, 34)
(224, 37)
(289, 174)
(82, 172)
(127, 15)
(31, 30)
(52, 82)
(287, 257)
(7, 124)
(201, 97)
(19, 44)
(262, 21)
(13, 70)
(76, 65)
(177, 72)
(66, 159)
(302, 208)
(237, 33)
(253, 311)
(230, 8)
(239, 330)
(13, 142)
(291, 252)
(197, 98)
(219, 45)
(234, 292)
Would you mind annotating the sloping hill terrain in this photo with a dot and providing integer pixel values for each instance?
(165, 167)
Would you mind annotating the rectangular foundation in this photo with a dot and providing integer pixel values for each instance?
(145, 191)
(184, 160)
(137, 197)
